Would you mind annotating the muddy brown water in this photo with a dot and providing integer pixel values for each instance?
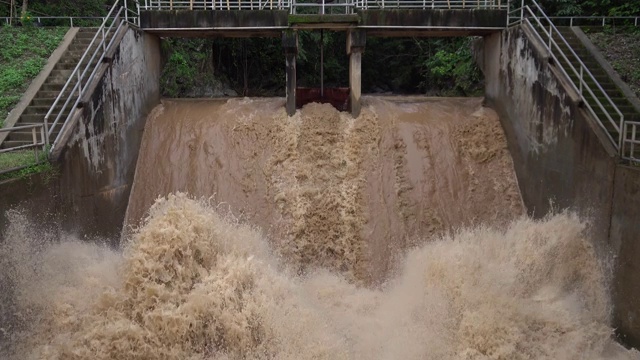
(253, 235)
(342, 193)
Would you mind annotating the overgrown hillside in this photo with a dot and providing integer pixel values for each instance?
(622, 50)
(23, 53)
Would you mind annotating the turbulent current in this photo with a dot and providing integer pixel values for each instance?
(253, 235)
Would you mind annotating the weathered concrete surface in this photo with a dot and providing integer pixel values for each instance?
(89, 196)
(562, 156)
(98, 165)
(378, 22)
(290, 46)
(431, 22)
(356, 41)
(231, 23)
(34, 195)
(625, 239)
(557, 154)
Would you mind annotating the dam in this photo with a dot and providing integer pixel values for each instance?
(495, 227)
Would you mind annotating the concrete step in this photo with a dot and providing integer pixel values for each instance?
(26, 135)
(7, 143)
(61, 73)
(31, 109)
(47, 101)
(72, 65)
(52, 93)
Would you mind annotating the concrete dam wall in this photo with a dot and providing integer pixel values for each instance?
(563, 159)
(397, 234)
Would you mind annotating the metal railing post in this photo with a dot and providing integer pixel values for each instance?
(46, 130)
(622, 134)
(71, 21)
(42, 132)
(104, 45)
(581, 78)
(522, 10)
(79, 84)
(126, 11)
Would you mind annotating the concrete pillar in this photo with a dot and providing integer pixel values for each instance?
(290, 45)
(356, 40)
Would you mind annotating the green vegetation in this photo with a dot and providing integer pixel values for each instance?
(590, 7)
(622, 50)
(28, 159)
(23, 53)
(203, 67)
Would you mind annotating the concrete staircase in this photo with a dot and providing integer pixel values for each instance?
(45, 97)
(628, 110)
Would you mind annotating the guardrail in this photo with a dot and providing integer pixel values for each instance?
(587, 85)
(432, 4)
(214, 5)
(632, 140)
(58, 20)
(595, 20)
(321, 6)
(36, 143)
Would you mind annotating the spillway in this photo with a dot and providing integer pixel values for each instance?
(249, 234)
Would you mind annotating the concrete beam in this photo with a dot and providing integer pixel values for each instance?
(356, 41)
(432, 19)
(290, 46)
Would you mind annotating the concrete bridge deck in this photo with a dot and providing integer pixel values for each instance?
(256, 18)
(359, 18)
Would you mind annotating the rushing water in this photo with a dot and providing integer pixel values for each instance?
(397, 235)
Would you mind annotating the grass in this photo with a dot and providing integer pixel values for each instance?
(24, 158)
(622, 50)
(23, 53)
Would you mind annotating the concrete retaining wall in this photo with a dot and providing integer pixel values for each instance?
(99, 162)
(561, 156)
(97, 165)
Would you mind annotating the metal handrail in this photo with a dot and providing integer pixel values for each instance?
(525, 12)
(34, 144)
(603, 19)
(79, 74)
(632, 138)
(71, 19)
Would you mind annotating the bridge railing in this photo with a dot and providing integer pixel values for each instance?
(432, 4)
(594, 97)
(214, 4)
(631, 141)
(319, 6)
(71, 21)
